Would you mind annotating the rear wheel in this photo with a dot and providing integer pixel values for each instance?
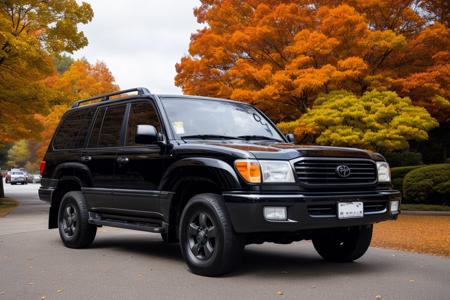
(208, 242)
(343, 244)
(74, 229)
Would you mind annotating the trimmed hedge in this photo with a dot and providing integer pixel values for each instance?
(430, 184)
(399, 173)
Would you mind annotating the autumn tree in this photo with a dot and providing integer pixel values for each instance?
(18, 154)
(31, 32)
(380, 121)
(280, 54)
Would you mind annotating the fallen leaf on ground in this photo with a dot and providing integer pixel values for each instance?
(423, 234)
(378, 297)
(280, 293)
(59, 291)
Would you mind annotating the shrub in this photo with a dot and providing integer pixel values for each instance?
(398, 174)
(430, 184)
(403, 158)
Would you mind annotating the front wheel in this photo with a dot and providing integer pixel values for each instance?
(343, 244)
(74, 228)
(208, 242)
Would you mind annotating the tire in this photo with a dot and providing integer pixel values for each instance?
(208, 242)
(343, 244)
(74, 229)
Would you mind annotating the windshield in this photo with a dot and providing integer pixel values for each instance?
(209, 118)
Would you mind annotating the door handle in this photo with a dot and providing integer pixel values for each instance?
(86, 158)
(122, 159)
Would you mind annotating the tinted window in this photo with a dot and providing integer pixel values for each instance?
(73, 129)
(111, 127)
(93, 140)
(142, 113)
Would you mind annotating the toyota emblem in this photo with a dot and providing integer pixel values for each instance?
(343, 171)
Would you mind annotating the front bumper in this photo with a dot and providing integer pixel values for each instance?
(306, 210)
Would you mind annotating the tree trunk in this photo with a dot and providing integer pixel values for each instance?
(2, 191)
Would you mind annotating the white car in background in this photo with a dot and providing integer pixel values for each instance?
(18, 176)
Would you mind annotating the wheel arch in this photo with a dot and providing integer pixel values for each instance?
(70, 177)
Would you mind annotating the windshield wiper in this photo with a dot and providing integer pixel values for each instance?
(258, 137)
(210, 136)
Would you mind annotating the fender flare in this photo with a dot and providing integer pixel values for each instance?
(211, 168)
(73, 171)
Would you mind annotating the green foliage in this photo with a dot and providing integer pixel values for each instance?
(403, 158)
(378, 120)
(398, 174)
(19, 154)
(430, 184)
(425, 207)
(62, 62)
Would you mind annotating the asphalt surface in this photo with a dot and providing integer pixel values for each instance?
(125, 264)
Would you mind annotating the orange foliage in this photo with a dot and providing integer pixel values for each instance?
(281, 54)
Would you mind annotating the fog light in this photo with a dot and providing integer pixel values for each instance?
(394, 206)
(275, 213)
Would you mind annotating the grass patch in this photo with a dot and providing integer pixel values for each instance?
(425, 207)
(6, 206)
(420, 234)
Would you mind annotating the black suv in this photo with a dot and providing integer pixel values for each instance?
(213, 174)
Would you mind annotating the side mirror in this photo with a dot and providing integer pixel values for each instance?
(146, 134)
(291, 138)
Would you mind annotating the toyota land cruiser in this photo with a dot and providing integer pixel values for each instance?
(213, 174)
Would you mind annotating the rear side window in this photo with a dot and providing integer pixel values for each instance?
(141, 113)
(73, 130)
(109, 135)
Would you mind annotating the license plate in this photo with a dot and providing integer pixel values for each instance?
(348, 210)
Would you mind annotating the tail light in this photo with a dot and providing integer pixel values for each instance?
(42, 167)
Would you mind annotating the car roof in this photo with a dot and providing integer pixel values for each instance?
(161, 96)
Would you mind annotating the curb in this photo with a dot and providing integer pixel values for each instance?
(425, 213)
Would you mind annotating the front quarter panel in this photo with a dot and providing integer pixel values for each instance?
(214, 169)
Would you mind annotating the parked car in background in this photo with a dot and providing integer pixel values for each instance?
(18, 176)
(35, 178)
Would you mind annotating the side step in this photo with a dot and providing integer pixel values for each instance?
(116, 221)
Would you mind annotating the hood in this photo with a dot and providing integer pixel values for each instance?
(285, 151)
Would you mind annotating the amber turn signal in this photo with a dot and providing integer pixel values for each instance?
(249, 170)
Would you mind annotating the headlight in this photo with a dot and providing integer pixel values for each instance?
(276, 171)
(384, 174)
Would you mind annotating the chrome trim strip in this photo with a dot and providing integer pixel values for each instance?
(378, 212)
(262, 196)
(301, 196)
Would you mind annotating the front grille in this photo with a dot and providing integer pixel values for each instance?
(322, 171)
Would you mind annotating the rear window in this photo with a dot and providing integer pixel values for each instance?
(73, 130)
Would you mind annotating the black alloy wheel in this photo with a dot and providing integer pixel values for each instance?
(202, 235)
(69, 221)
(73, 221)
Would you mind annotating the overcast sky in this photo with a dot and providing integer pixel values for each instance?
(140, 40)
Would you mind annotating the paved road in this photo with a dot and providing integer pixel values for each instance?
(134, 265)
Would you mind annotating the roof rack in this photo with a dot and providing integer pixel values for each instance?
(105, 97)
